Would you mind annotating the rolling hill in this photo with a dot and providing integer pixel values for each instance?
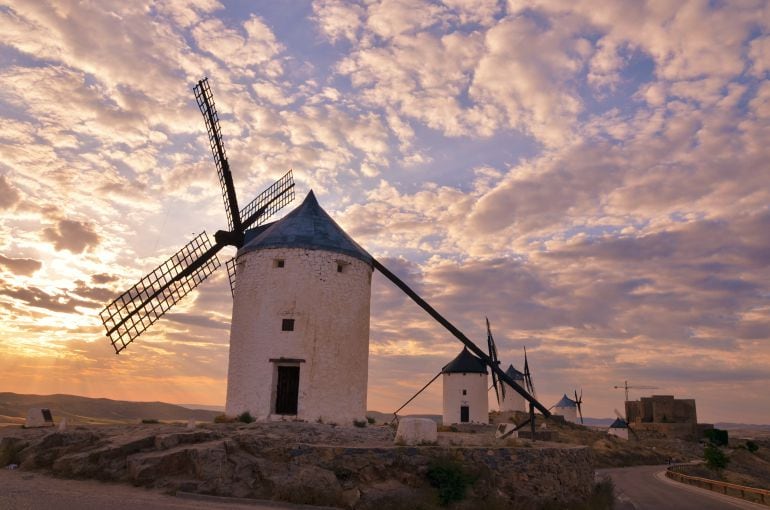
(13, 409)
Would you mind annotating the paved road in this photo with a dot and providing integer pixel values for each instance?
(23, 490)
(646, 488)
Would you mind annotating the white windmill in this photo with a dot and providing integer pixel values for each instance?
(299, 338)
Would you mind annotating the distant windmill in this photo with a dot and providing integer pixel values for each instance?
(626, 387)
(499, 391)
(528, 375)
(303, 291)
(624, 420)
(579, 404)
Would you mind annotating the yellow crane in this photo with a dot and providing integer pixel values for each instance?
(627, 387)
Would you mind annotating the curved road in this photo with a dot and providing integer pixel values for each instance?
(647, 488)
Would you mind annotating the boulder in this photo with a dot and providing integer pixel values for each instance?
(416, 431)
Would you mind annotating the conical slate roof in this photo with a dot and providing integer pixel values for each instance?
(465, 362)
(565, 402)
(514, 374)
(308, 226)
(619, 424)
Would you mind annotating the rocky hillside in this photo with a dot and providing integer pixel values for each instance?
(357, 468)
(13, 409)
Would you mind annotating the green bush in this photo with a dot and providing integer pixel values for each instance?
(371, 420)
(451, 480)
(717, 437)
(715, 458)
(150, 421)
(752, 446)
(359, 423)
(245, 417)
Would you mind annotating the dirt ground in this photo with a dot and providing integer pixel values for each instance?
(23, 490)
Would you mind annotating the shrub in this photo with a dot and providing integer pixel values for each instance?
(223, 418)
(150, 421)
(752, 446)
(449, 477)
(717, 437)
(371, 420)
(715, 458)
(359, 423)
(603, 494)
(245, 417)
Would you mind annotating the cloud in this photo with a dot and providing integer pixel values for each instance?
(255, 45)
(103, 278)
(39, 298)
(25, 267)
(71, 235)
(338, 19)
(8, 195)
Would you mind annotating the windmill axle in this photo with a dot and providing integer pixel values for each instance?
(226, 238)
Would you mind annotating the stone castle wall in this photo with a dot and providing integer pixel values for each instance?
(661, 409)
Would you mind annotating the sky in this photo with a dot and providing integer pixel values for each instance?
(592, 176)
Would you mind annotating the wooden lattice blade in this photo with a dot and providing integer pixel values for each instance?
(270, 201)
(231, 263)
(137, 309)
(205, 101)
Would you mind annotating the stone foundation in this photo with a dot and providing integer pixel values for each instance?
(254, 462)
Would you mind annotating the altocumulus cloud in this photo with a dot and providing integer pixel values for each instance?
(71, 235)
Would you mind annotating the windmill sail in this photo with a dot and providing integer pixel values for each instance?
(268, 202)
(499, 388)
(231, 263)
(528, 375)
(205, 101)
(135, 310)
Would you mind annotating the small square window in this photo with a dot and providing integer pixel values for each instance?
(287, 325)
(278, 263)
(340, 267)
(465, 392)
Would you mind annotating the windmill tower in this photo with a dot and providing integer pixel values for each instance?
(466, 385)
(566, 407)
(300, 326)
(512, 401)
(299, 340)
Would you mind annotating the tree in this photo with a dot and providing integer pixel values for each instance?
(715, 458)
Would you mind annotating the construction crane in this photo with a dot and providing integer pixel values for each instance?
(627, 387)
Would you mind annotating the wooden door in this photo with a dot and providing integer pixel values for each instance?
(287, 392)
(465, 414)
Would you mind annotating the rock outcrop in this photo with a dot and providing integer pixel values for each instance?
(303, 463)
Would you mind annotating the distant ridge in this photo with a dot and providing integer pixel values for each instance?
(741, 426)
(13, 409)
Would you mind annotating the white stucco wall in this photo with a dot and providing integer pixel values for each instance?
(512, 401)
(331, 333)
(476, 387)
(569, 413)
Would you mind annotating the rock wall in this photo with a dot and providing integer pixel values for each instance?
(248, 463)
